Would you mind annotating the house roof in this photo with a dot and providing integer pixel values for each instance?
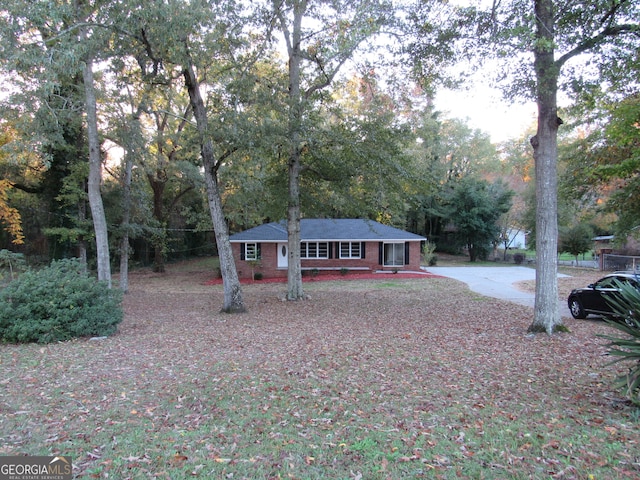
(326, 229)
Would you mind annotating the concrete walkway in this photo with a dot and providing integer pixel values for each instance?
(496, 282)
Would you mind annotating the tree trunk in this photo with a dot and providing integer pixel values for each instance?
(158, 186)
(294, 269)
(124, 262)
(126, 220)
(233, 301)
(82, 243)
(545, 152)
(95, 176)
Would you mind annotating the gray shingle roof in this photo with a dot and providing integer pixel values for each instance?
(326, 229)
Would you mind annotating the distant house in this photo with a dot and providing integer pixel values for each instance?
(326, 244)
(517, 238)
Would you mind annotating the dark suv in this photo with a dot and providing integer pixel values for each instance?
(593, 298)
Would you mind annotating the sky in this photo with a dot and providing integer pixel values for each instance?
(482, 107)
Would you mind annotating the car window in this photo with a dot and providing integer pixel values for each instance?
(614, 281)
(607, 282)
(629, 281)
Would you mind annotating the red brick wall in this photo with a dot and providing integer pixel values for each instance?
(269, 261)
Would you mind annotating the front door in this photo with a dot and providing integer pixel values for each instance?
(283, 255)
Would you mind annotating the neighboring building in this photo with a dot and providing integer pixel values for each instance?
(612, 255)
(603, 244)
(327, 244)
(516, 238)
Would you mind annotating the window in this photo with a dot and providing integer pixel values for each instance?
(251, 252)
(314, 250)
(350, 250)
(393, 254)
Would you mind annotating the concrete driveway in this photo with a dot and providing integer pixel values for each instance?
(496, 282)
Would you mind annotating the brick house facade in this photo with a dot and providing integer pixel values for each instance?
(327, 245)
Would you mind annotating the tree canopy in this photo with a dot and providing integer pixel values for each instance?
(145, 126)
(541, 49)
(474, 209)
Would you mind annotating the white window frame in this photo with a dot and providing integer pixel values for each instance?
(394, 255)
(250, 252)
(354, 250)
(314, 250)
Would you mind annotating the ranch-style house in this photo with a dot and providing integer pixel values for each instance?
(327, 245)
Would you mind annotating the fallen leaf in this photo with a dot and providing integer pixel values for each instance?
(178, 459)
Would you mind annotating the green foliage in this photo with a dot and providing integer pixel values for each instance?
(475, 207)
(255, 264)
(10, 264)
(58, 303)
(446, 152)
(577, 239)
(600, 169)
(428, 253)
(507, 31)
(618, 161)
(627, 348)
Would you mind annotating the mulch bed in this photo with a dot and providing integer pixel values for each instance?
(325, 277)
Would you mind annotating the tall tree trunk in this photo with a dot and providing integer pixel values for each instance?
(233, 301)
(82, 243)
(126, 220)
(95, 176)
(158, 186)
(545, 152)
(294, 269)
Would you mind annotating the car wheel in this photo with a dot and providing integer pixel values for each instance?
(576, 308)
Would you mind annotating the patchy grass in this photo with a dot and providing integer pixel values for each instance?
(409, 378)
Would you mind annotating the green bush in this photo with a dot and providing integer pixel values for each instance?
(11, 264)
(627, 348)
(519, 258)
(58, 303)
(428, 253)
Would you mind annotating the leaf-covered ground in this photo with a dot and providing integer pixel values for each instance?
(371, 379)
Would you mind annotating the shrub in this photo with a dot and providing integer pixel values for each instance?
(344, 271)
(518, 258)
(58, 303)
(627, 311)
(10, 265)
(428, 253)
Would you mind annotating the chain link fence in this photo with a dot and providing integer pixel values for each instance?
(611, 262)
